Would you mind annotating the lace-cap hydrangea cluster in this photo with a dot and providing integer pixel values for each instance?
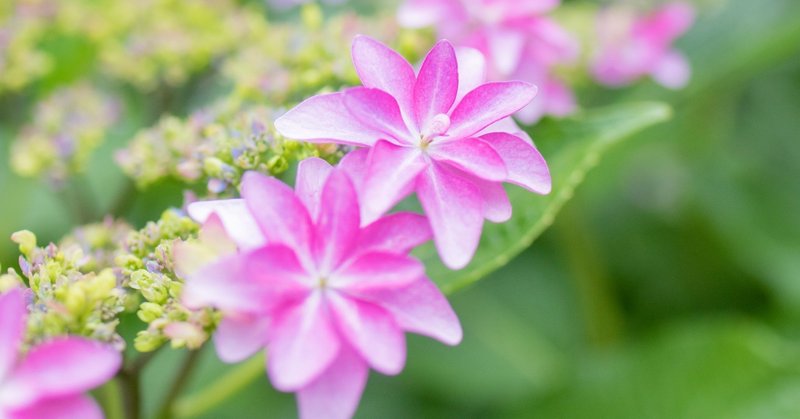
(319, 275)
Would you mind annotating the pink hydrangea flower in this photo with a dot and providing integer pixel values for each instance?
(327, 295)
(49, 381)
(632, 46)
(432, 133)
(518, 41)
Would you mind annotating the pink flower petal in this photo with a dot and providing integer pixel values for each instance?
(236, 218)
(378, 66)
(190, 256)
(324, 118)
(472, 156)
(395, 233)
(336, 392)
(253, 282)
(419, 307)
(488, 103)
(496, 206)
(339, 221)
(421, 13)
(471, 70)
(377, 110)
(390, 177)
(377, 269)
(372, 332)
(278, 211)
(13, 314)
(70, 407)
(311, 176)
(64, 367)
(526, 166)
(506, 46)
(303, 343)
(454, 207)
(355, 164)
(437, 84)
(240, 336)
(672, 71)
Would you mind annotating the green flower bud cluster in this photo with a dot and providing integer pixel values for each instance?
(67, 299)
(66, 128)
(292, 63)
(22, 26)
(147, 267)
(214, 146)
(165, 41)
(146, 43)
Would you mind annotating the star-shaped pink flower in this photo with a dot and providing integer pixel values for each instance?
(427, 133)
(519, 41)
(632, 46)
(49, 381)
(328, 296)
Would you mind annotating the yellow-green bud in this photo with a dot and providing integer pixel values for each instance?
(26, 241)
(149, 312)
(146, 341)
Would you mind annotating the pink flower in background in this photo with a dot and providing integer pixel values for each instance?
(518, 41)
(49, 381)
(329, 296)
(631, 46)
(431, 134)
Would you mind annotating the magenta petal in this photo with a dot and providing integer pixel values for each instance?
(13, 314)
(372, 332)
(339, 221)
(379, 111)
(70, 407)
(236, 218)
(454, 207)
(420, 307)
(390, 177)
(526, 166)
(377, 269)
(324, 118)
(472, 156)
(239, 336)
(311, 176)
(489, 103)
(437, 84)
(395, 233)
(471, 70)
(278, 211)
(379, 67)
(303, 343)
(335, 394)
(496, 206)
(64, 367)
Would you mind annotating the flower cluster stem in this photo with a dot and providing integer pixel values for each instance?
(213, 395)
(181, 379)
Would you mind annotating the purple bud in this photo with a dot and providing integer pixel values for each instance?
(217, 185)
(24, 266)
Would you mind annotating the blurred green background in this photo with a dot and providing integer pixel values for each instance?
(668, 287)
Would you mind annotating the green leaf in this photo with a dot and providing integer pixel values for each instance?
(726, 367)
(571, 147)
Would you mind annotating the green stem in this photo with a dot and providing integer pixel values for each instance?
(601, 310)
(185, 372)
(129, 388)
(220, 390)
(110, 399)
